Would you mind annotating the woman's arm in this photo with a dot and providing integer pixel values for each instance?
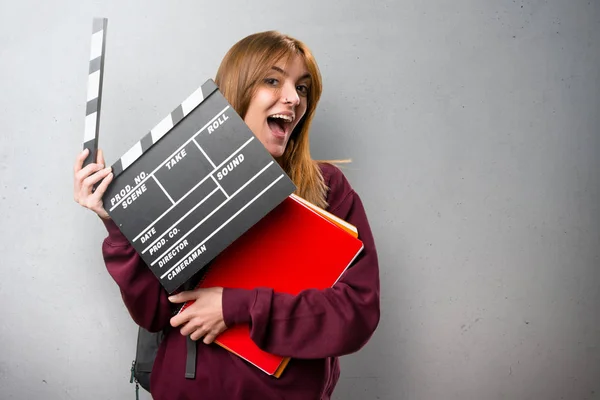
(143, 295)
(316, 323)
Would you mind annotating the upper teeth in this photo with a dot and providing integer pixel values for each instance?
(282, 116)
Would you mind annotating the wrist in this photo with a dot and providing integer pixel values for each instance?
(236, 305)
(115, 236)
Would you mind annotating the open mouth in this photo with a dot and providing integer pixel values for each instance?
(280, 124)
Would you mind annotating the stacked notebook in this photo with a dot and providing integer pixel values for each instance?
(296, 246)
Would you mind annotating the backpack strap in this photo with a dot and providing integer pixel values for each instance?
(191, 345)
(190, 362)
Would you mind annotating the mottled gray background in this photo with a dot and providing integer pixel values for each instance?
(473, 127)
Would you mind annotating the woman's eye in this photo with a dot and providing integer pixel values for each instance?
(271, 81)
(303, 89)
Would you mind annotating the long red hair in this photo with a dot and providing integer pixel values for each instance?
(244, 67)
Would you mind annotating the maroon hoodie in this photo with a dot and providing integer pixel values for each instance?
(314, 328)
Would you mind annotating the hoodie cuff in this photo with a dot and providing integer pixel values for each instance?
(115, 236)
(236, 305)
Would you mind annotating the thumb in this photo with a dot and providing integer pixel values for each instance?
(184, 296)
(100, 157)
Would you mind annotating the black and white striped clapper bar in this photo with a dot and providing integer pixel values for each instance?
(94, 90)
(192, 185)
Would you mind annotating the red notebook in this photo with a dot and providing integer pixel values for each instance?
(294, 247)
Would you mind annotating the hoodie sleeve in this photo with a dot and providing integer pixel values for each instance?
(317, 323)
(144, 297)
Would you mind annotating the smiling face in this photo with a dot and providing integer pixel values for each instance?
(279, 103)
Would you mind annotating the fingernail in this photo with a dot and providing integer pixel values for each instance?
(171, 298)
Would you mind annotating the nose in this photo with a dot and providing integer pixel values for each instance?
(289, 95)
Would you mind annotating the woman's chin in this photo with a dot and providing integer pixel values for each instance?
(276, 154)
(276, 150)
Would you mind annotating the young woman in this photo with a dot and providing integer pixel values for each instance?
(273, 82)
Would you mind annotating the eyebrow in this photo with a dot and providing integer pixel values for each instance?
(305, 76)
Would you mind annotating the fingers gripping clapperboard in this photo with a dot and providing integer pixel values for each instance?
(192, 185)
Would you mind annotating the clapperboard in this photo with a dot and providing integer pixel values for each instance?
(192, 185)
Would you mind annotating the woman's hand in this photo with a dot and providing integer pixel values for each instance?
(86, 178)
(203, 318)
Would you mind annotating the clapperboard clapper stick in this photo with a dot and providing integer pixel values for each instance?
(192, 185)
(94, 90)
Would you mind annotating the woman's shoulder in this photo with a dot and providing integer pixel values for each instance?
(339, 189)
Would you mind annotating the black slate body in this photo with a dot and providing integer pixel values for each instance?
(183, 195)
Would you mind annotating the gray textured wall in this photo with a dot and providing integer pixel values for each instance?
(473, 127)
